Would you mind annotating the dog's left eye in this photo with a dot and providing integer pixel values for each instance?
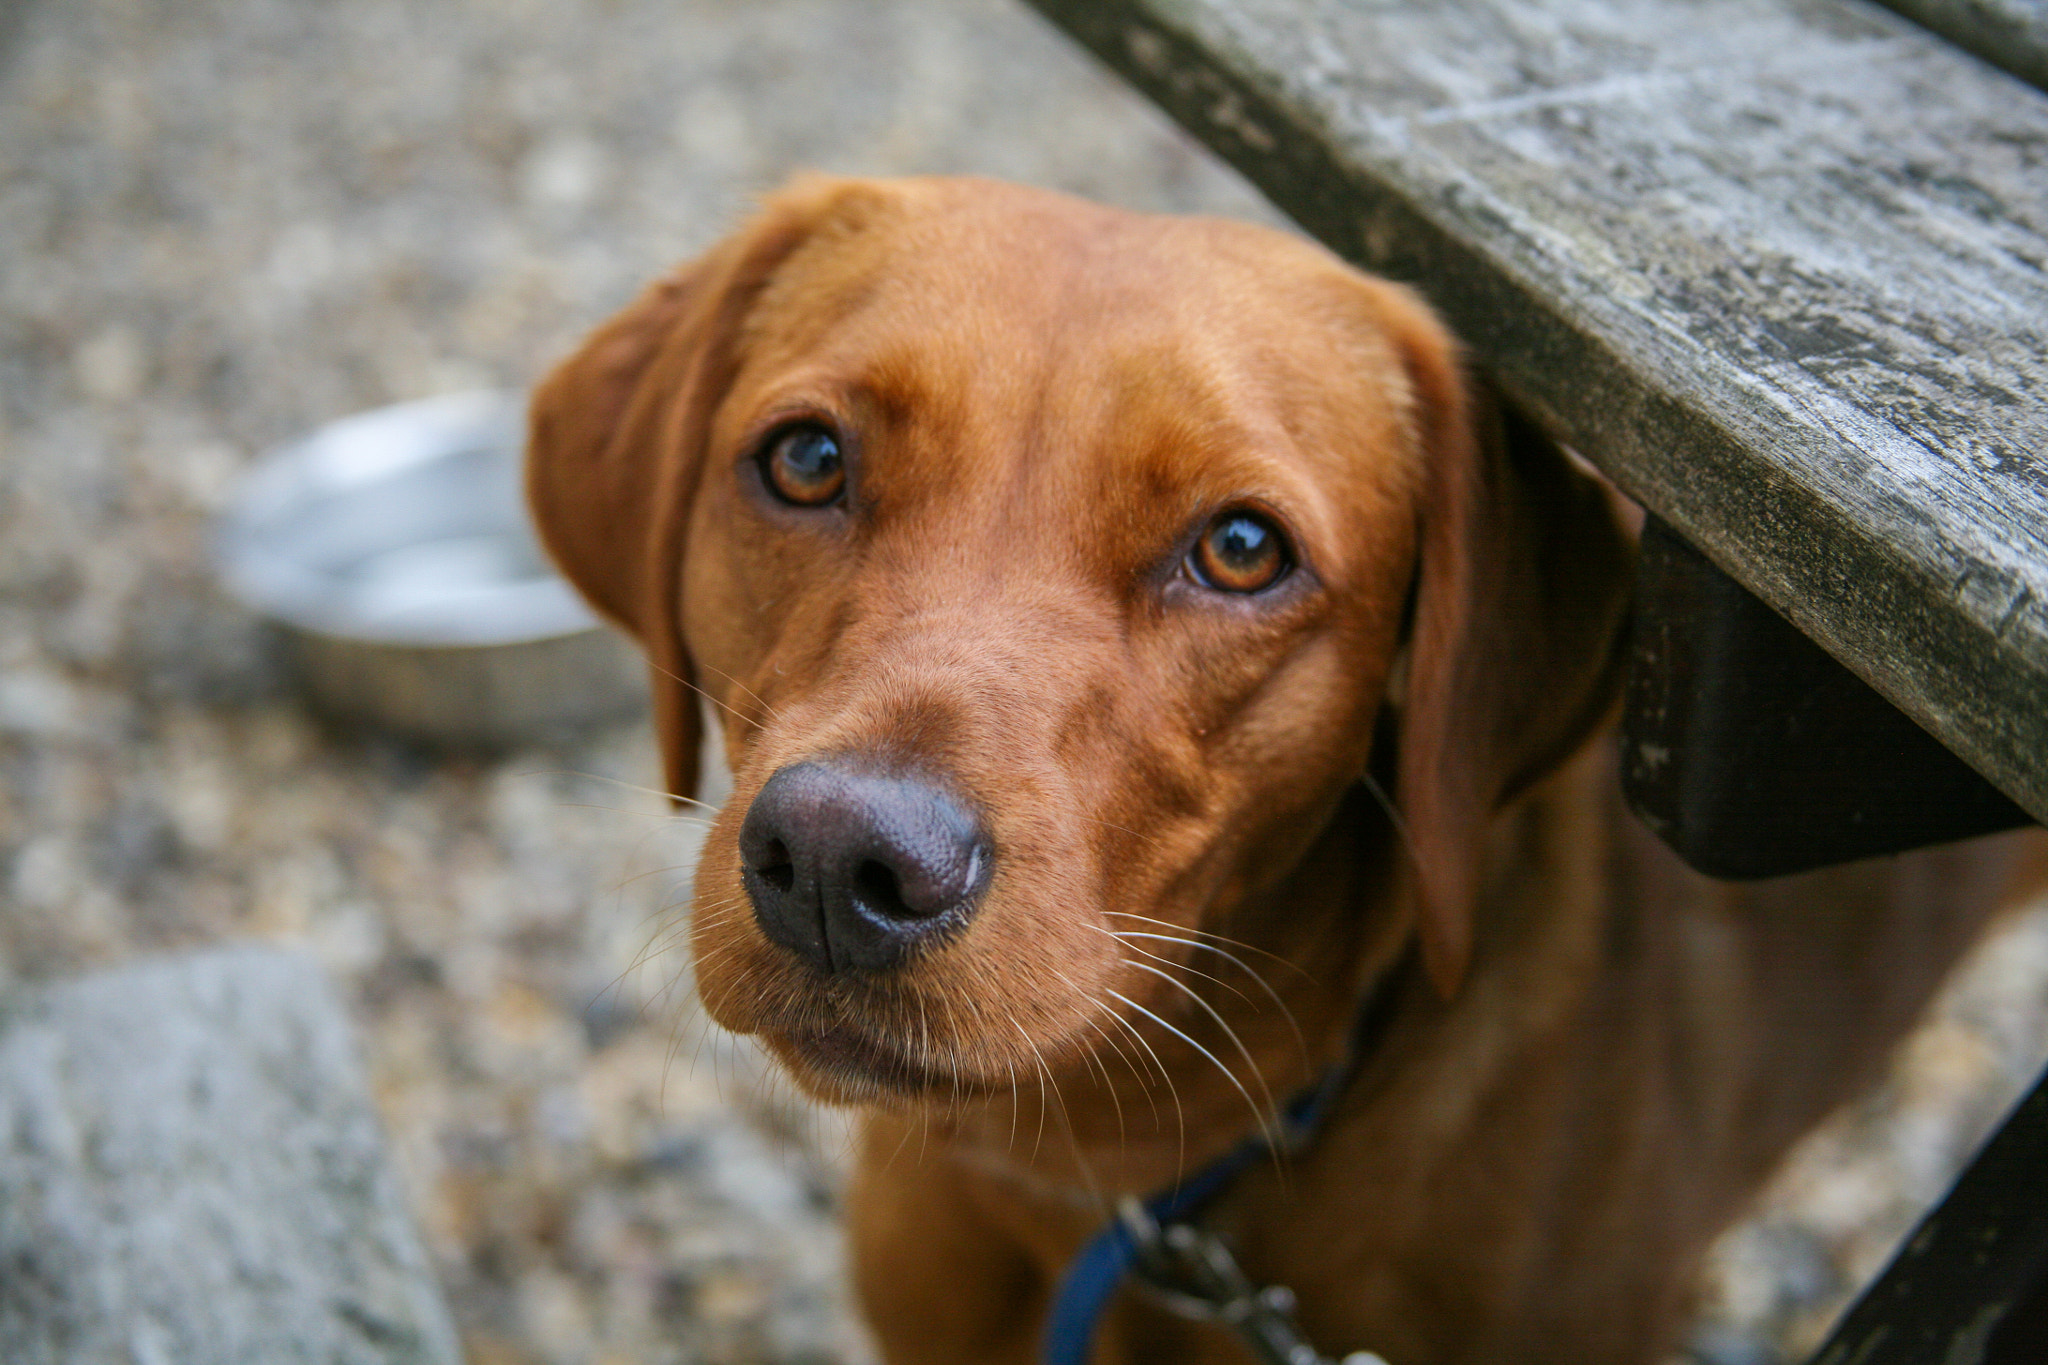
(1241, 552)
(802, 465)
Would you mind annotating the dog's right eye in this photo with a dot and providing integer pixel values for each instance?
(802, 465)
(1241, 552)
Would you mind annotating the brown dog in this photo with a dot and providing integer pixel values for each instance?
(1065, 580)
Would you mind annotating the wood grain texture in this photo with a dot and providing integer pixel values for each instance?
(1777, 266)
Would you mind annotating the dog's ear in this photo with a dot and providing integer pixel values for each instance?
(1515, 651)
(616, 434)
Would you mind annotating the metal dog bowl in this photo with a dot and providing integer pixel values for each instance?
(395, 549)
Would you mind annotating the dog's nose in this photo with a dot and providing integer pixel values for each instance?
(852, 869)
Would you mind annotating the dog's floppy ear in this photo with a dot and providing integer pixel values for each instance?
(1514, 653)
(616, 434)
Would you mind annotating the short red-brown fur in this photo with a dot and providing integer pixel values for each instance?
(1043, 400)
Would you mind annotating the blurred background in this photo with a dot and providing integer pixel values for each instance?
(226, 222)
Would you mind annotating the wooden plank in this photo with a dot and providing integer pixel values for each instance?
(1777, 266)
(2012, 34)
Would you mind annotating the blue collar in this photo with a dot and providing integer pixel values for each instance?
(1099, 1269)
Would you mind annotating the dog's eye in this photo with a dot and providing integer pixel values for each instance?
(1241, 552)
(803, 467)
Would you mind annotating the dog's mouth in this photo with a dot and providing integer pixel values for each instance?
(845, 1059)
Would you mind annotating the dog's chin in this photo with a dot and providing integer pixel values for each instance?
(840, 1064)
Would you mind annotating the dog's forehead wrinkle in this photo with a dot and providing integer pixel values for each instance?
(1093, 510)
(1007, 293)
(1163, 433)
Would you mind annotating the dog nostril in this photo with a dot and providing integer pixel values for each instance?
(877, 886)
(854, 869)
(777, 868)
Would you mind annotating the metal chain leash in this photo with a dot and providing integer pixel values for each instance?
(1192, 1274)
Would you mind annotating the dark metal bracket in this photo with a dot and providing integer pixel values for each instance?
(1754, 754)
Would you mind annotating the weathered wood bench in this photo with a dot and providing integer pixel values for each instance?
(1779, 268)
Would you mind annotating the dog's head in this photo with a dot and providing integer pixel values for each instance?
(1048, 567)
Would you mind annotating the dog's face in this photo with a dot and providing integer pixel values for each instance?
(1045, 566)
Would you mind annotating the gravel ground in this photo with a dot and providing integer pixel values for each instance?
(226, 221)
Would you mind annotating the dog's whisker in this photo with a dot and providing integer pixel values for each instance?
(724, 953)
(697, 1055)
(673, 917)
(1259, 1114)
(1180, 1117)
(924, 1035)
(1294, 967)
(638, 961)
(1125, 936)
(772, 712)
(675, 978)
(668, 1060)
(1144, 1086)
(671, 936)
(687, 941)
(1122, 829)
(981, 1022)
(639, 877)
(1015, 1101)
(657, 944)
(713, 917)
(1300, 1041)
(1251, 1063)
(667, 907)
(1038, 1061)
(666, 817)
(1046, 1077)
(1066, 1122)
(897, 1151)
(1101, 1069)
(722, 905)
(952, 1027)
(1266, 1118)
(655, 792)
(1009, 1065)
(705, 922)
(947, 1027)
(1400, 822)
(659, 1004)
(737, 714)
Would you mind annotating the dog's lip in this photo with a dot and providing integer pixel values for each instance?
(848, 1055)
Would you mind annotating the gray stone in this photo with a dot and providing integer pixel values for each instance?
(191, 1171)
